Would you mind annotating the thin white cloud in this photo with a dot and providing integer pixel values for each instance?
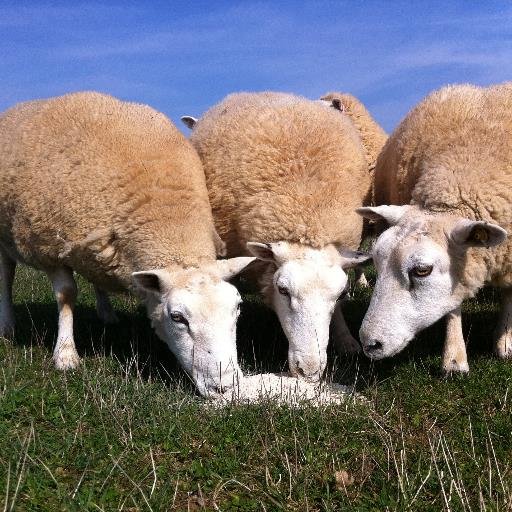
(169, 42)
(306, 47)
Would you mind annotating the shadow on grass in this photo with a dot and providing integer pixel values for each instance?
(262, 346)
(131, 340)
(261, 342)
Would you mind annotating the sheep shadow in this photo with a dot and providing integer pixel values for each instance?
(262, 345)
(131, 341)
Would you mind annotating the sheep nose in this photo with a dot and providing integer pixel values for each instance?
(372, 346)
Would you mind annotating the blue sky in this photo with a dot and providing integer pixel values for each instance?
(182, 57)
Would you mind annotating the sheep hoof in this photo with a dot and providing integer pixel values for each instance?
(453, 367)
(362, 282)
(66, 358)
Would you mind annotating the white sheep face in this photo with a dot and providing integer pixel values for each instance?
(419, 262)
(306, 285)
(195, 312)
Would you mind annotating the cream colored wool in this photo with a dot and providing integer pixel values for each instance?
(372, 135)
(102, 186)
(282, 168)
(453, 154)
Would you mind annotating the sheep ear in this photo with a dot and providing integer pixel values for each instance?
(152, 281)
(263, 252)
(389, 213)
(228, 269)
(276, 252)
(337, 104)
(471, 233)
(352, 259)
(189, 121)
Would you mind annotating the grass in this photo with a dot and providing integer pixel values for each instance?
(127, 432)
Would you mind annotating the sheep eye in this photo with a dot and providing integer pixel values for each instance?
(283, 291)
(422, 270)
(178, 318)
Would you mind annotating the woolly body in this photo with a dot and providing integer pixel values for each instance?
(285, 175)
(113, 191)
(282, 168)
(372, 135)
(102, 186)
(449, 164)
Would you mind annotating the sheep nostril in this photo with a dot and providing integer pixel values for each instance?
(373, 345)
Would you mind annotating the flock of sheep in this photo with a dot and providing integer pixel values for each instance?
(276, 186)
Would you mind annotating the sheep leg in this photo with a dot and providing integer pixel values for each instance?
(65, 355)
(360, 279)
(503, 339)
(344, 342)
(7, 271)
(455, 359)
(104, 308)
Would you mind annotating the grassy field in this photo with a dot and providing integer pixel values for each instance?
(126, 432)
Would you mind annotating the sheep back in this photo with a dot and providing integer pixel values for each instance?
(103, 186)
(280, 167)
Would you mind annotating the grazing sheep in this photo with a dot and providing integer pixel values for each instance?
(113, 191)
(448, 167)
(284, 176)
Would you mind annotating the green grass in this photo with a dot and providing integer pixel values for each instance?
(127, 432)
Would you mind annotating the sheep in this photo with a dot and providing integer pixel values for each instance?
(284, 175)
(113, 191)
(443, 182)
